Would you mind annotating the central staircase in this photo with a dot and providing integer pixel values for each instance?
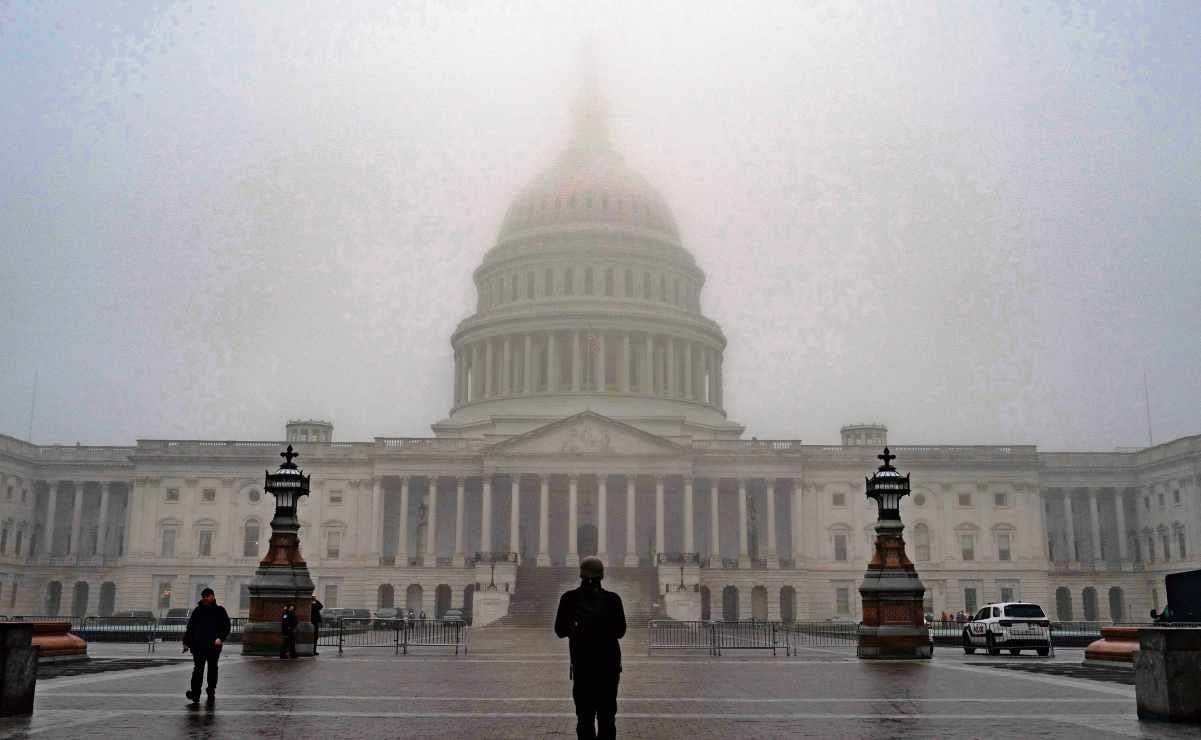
(537, 591)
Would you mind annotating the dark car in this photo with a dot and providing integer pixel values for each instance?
(133, 616)
(176, 616)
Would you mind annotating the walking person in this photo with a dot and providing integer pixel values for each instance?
(593, 620)
(208, 626)
(316, 619)
(287, 628)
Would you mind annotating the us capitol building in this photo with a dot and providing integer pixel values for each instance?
(588, 417)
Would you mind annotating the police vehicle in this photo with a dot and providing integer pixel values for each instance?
(1013, 625)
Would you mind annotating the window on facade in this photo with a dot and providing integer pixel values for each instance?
(17, 547)
(3, 540)
(12, 595)
(167, 550)
(204, 545)
(646, 286)
(1007, 593)
(1180, 543)
(250, 541)
(568, 280)
(335, 497)
(965, 499)
(919, 499)
(1167, 553)
(208, 495)
(1161, 501)
(529, 285)
(164, 594)
(549, 288)
(24, 496)
(663, 288)
(9, 495)
(1003, 548)
(629, 283)
(967, 546)
(172, 494)
(969, 599)
(842, 601)
(609, 281)
(921, 539)
(512, 287)
(333, 545)
(1147, 503)
(677, 291)
(840, 547)
(839, 499)
(331, 596)
(1000, 499)
(500, 290)
(588, 281)
(1150, 548)
(254, 495)
(1175, 497)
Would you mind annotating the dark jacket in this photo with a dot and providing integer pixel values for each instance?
(288, 622)
(593, 620)
(315, 612)
(206, 624)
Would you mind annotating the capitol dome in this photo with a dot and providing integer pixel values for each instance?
(588, 301)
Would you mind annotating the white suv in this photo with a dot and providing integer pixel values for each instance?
(1012, 626)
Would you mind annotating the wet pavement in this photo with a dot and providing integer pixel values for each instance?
(514, 684)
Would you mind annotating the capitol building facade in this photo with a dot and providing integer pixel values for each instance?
(588, 418)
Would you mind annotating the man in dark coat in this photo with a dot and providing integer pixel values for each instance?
(287, 628)
(208, 626)
(593, 620)
(315, 618)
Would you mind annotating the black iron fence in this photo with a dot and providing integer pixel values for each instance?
(398, 634)
(719, 637)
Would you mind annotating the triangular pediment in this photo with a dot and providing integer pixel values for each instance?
(586, 433)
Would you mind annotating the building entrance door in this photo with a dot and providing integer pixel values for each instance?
(587, 539)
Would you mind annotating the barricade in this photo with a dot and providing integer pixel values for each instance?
(680, 636)
(744, 636)
(818, 635)
(398, 634)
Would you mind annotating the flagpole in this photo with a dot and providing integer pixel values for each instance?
(1147, 406)
(33, 404)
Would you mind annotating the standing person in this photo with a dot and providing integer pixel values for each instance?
(287, 628)
(316, 618)
(208, 626)
(593, 620)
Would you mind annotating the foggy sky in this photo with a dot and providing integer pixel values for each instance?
(977, 223)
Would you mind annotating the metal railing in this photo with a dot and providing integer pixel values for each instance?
(681, 636)
(398, 634)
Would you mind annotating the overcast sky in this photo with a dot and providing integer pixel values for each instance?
(978, 223)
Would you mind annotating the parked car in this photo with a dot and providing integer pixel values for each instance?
(176, 616)
(360, 613)
(453, 616)
(387, 612)
(1012, 626)
(333, 615)
(134, 616)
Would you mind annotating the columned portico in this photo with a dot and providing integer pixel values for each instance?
(631, 516)
(744, 555)
(573, 520)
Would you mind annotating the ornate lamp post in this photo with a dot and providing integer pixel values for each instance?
(893, 623)
(282, 577)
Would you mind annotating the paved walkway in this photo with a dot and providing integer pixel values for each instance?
(514, 684)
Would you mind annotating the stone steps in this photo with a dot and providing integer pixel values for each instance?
(537, 591)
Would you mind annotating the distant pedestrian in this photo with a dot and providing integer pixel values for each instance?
(208, 626)
(593, 620)
(422, 615)
(287, 629)
(316, 619)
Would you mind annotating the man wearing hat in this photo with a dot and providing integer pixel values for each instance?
(593, 620)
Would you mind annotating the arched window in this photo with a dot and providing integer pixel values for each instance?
(54, 598)
(386, 596)
(413, 596)
(1089, 596)
(706, 604)
(108, 598)
(1117, 606)
(1063, 604)
(729, 604)
(250, 539)
(788, 604)
(759, 603)
(921, 541)
(79, 599)
(441, 600)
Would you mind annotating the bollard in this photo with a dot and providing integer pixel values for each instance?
(1167, 674)
(18, 668)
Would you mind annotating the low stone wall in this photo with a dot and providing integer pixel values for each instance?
(1116, 648)
(56, 644)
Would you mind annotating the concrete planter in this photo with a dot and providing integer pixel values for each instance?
(1167, 674)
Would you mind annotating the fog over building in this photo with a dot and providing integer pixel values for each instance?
(588, 417)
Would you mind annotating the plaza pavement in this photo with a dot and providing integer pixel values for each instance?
(514, 684)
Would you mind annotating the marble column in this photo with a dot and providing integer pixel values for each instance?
(102, 521)
(659, 540)
(475, 387)
(1070, 524)
(715, 521)
(431, 528)
(773, 559)
(670, 369)
(506, 367)
(577, 370)
(623, 368)
(527, 365)
(460, 491)
(631, 560)
(598, 371)
(1095, 526)
(687, 370)
(486, 516)
(744, 556)
(795, 514)
(515, 513)
(602, 511)
(402, 540)
(76, 518)
(689, 541)
(552, 362)
(573, 519)
(648, 376)
(544, 521)
(489, 389)
(377, 520)
(1119, 502)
